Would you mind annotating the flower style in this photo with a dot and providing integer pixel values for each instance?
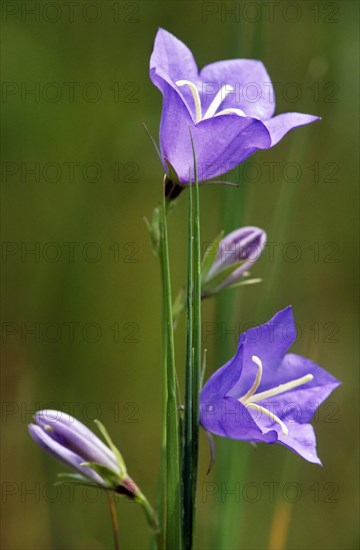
(265, 395)
(227, 260)
(228, 107)
(73, 444)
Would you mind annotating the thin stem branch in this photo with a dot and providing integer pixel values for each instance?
(114, 521)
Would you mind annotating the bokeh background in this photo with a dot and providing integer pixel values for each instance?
(81, 292)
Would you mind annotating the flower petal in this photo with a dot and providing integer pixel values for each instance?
(301, 439)
(68, 435)
(171, 60)
(223, 379)
(282, 124)
(299, 404)
(57, 419)
(269, 342)
(253, 91)
(62, 454)
(175, 143)
(173, 57)
(229, 418)
(223, 142)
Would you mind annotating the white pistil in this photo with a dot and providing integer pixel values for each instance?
(250, 398)
(271, 415)
(218, 99)
(195, 93)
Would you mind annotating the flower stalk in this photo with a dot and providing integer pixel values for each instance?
(171, 485)
(114, 522)
(193, 364)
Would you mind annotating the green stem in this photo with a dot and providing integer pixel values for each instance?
(187, 442)
(193, 365)
(173, 488)
(163, 460)
(196, 336)
(149, 512)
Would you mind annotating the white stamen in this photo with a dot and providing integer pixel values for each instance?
(218, 99)
(250, 398)
(195, 93)
(281, 388)
(231, 111)
(271, 415)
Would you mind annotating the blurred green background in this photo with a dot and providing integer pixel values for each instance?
(81, 292)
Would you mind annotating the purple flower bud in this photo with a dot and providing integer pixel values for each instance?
(242, 245)
(73, 444)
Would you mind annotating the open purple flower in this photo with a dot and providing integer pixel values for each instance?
(73, 444)
(228, 107)
(228, 259)
(265, 395)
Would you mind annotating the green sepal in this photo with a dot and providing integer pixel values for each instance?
(112, 478)
(210, 255)
(171, 173)
(211, 286)
(115, 450)
(75, 479)
(246, 282)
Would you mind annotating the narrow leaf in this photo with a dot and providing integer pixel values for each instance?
(152, 141)
(210, 255)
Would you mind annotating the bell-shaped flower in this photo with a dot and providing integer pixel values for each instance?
(264, 394)
(227, 260)
(228, 107)
(73, 444)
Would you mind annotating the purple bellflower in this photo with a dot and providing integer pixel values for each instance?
(73, 444)
(228, 259)
(265, 395)
(228, 107)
